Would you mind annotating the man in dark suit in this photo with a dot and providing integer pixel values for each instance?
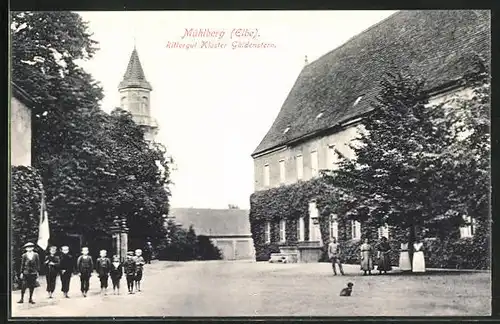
(30, 267)
(66, 266)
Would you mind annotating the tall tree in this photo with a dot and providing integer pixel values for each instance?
(398, 175)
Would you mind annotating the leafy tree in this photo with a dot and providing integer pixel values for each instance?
(94, 165)
(405, 165)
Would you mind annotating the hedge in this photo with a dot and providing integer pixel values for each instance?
(291, 202)
(26, 190)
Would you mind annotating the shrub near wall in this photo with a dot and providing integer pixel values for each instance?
(26, 190)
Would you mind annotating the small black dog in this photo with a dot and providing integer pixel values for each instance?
(347, 290)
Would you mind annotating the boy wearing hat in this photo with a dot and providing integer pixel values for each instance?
(30, 266)
(130, 271)
(85, 266)
(103, 268)
(66, 266)
(139, 262)
(52, 262)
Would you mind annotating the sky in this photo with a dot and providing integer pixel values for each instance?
(215, 105)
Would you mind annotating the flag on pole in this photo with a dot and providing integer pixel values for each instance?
(43, 230)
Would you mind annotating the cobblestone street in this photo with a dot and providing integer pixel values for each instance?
(218, 288)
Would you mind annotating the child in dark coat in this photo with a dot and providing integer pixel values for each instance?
(103, 269)
(116, 274)
(130, 271)
(52, 262)
(85, 266)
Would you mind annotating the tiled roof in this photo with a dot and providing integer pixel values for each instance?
(436, 45)
(214, 222)
(134, 75)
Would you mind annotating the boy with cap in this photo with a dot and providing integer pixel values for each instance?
(66, 266)
(116, 273)
(52, 262)
(85, 266)
(130, 271)
(103, 268)
(139, 262)
(30, 266)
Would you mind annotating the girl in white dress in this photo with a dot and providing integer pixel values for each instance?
(418, 257)
(404, 258)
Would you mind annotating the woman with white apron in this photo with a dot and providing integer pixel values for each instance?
(418, 257)
(404, 258)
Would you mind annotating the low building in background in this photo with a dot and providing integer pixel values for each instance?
(228, 229)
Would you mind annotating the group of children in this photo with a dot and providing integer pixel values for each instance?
(63, 265)
(132, 267)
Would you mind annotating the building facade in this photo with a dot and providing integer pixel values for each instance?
(228, 229)
(325, 108)
(20, 126)
(135, 96)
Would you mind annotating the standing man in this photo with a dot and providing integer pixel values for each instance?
(148, 252)
(66, 266)
(334, 256)
(30, 267)
(52, 262)
(85, 266)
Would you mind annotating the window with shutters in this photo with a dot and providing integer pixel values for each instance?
(334, 226)
(467, 230)
(355, 230)
(282, 230)
(267, 232)
(282, 171)
(300, 167)
(314, 164)
(383, 231)
(301, 229)
(266, 175)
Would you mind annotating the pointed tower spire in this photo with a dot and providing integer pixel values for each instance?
(134, 75)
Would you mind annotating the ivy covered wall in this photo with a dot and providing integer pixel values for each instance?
(291, 202)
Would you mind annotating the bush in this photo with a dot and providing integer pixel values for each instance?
(185, 245)
(26, 190)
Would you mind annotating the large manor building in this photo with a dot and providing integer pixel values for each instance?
(331, 95)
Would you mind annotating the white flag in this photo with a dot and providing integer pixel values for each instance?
(43, 230)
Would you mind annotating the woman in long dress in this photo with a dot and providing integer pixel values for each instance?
(366, 257)
(384, 260)
(404, 258)
(418, 257)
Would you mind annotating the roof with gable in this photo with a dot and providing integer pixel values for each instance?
(134, 75)
(214, 222)
(438, 46)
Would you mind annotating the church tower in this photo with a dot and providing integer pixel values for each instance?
(134, 92)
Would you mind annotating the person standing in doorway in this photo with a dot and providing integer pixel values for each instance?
(366, 257)
(418, 256)
(103, 269)
(30, 267)
(116, 273)
(52, 262)
(85, 267)
(334, 256)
